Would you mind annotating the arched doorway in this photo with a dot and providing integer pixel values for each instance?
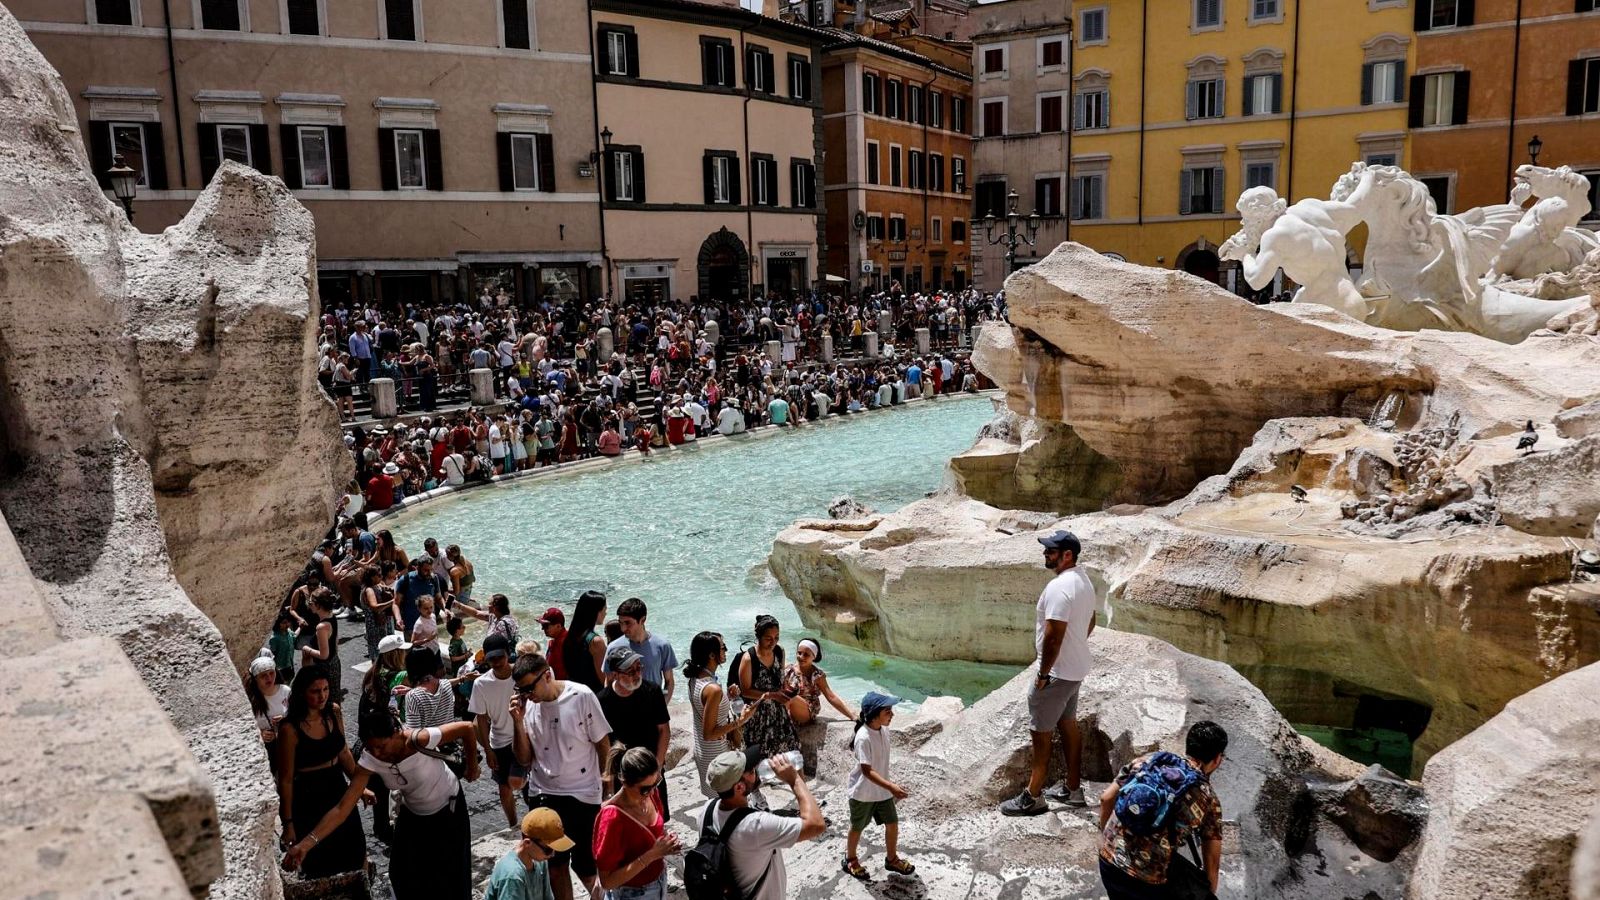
(1200, 259)
(724, 266)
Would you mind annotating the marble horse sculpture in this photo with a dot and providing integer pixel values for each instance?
(1547, 238)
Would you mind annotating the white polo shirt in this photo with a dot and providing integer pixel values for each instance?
(1069, 598)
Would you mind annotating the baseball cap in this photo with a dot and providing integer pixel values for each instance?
(1062, 540)
(730, 766)
(621, 659)
(544, 826)
(553, 616)
(393, 642)
(876, 700)
(495, 646)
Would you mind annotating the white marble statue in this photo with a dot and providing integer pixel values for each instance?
(1306, 240)
(1547, 238)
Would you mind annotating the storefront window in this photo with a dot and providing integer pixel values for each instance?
(494, 286)
(559, 283)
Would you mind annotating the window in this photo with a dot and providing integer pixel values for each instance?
(720, 175)
(994, 118)
(1088, 197)
(1266, 10)
(625, 175)
(958, 115)
(411, 165)
(758, 72)
(128, 140)
(316, 157)
(763, 180)
(1200, 190)
(1439, 189)
(1433, 14)
(1261, 174)
(1047, 195)
(936, 109)
(1439, 99)
(958, 174)
(875, 226)
(891, 99)
(1587, 6)
(220, 15)
(802, 183)
(400, 20)
(716, 62)
(524, 162)
(916, 174)
(114, 12)
(869, 94)
(994, 60)
(935, 172)
(1207, 14)
(1383, 82)
(304, 17)
(1092, 26)
(1382, 159)
(873, 150)
(619, 51)
(991, 198)
(799, 78)
(233, 142)
(1205, 99)
(516, 29)
(1583, 86)
(914, 103)
(1092, 109)
(1049, 113)
(1263, 95)
(936, 230)
(897, 228)
(1050, 54)
(958, 231)
(894, 166)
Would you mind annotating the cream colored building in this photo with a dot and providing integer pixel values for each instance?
(710, 122)
(443, 146)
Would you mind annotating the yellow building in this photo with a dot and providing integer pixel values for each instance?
(1177, 106)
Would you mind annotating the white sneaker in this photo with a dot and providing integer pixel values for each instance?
(1060, 794)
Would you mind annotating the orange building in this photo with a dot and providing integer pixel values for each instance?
(1491, 76)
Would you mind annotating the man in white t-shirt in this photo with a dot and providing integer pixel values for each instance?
(730, 420)
(757, 842)
(490, 706)
(1063, 623)
(562, 736)
(454, 467)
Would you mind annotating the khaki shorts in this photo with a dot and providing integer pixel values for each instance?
(1052, 704)
(865, 812)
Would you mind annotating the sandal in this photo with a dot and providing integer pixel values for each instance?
(855, 870)
(900, 867)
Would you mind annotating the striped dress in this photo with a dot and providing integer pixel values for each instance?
(705, 751)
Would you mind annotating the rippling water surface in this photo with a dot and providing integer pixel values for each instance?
(689, 532)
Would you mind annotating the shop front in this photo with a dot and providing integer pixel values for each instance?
(647, 282)
(786, 268)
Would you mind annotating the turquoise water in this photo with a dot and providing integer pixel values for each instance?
(689, 531)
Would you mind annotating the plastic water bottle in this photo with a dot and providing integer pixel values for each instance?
(764, 768)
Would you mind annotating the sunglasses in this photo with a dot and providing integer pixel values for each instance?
(646, 787)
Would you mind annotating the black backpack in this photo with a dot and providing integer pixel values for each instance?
(738, 660)
(708, 868)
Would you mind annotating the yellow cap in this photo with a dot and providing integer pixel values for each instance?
(544, 826)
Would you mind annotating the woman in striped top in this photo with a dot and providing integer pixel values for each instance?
(713, 719)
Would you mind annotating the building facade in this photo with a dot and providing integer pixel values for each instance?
(896, 130)
(1493, 75)
(711, 127)
(1172, 109)
(442, 147)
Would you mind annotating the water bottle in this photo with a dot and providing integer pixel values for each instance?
(764, 768)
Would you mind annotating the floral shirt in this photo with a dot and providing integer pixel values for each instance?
(798, 684)
(1147, 857)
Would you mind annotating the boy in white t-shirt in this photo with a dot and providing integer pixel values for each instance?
(872, 794)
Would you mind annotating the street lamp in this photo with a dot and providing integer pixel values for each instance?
(124, 183)
(1012, 238)
(1534, 147)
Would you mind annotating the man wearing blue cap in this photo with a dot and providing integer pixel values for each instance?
(1062, 625)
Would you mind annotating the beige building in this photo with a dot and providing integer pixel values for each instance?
(443, 146)
(711, 124)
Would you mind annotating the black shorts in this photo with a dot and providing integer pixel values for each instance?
(506, 766)
(577, 820)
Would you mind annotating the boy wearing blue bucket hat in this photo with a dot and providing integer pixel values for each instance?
(872, 794)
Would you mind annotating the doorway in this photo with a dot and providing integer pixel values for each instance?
(724, 267)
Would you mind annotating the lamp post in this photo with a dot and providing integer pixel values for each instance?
(1534, 148)
(1012, 237)
(124, 183)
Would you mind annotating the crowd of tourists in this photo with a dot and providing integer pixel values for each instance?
(569, 714)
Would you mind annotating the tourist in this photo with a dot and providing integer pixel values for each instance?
(564, 741)
(381, 488)
(872, 794)
(432, 856)
(425, 632)
(342, 381)
(389, 551)
(730, 421)
(770, 731)
(610, 442)
(269, 701)
(460, 572)
(636, 708)
(456, 627)
(430, 549)
(630, 834)
(430, 703)
(490, 704)
(713, 719)
(418, 583)
(314, 772)
(660, 660)
(1064, 620)
(554, 625)
(523, 873)
(319, 639)
(583, 650)
(1144, 863)
(806, 685)
(381, 688)
(778, 411)
(756, 840)
(498, 615)
(377, 599)
(281, 643)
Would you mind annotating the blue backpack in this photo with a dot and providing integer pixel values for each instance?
(1145, 802)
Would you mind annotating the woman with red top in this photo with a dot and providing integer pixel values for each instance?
(630, 836)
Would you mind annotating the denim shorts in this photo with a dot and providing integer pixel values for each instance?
(655, 890)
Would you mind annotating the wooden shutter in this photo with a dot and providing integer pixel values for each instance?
(708, 68)
(1419, 89)
(1219, 183)
(1575, 84)
(1277, 93)
(516, 23)
(1185, 190)
(100, 152)
(155, 156)
(751, 63)
(610, 175)
(1249, 96)
(289, 137)
(544, 152)
(210, 153)
(734, 182)
(339, 158)
(632, 44)
(1366, 83)
(709, 172)
(1097, 196)
(433, 153)
(1463, 91)
(261, 149)
(1190, 99)
(508, 177)
(638, 176)
(386, 161)
(1075, 197)
(1041, 192)
(769, 66)
(1421, 15)
(1465, 13)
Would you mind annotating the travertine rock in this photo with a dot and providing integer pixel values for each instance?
(1020, 462)
(1586, 862)
(1509, 800)
(1554, 491)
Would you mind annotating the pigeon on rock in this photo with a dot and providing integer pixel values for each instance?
(1298, 493)
(1529, 438)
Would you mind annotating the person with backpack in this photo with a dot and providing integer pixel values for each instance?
(1063, 622)
(740, 850)
(760, 673)
(1157, 805)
